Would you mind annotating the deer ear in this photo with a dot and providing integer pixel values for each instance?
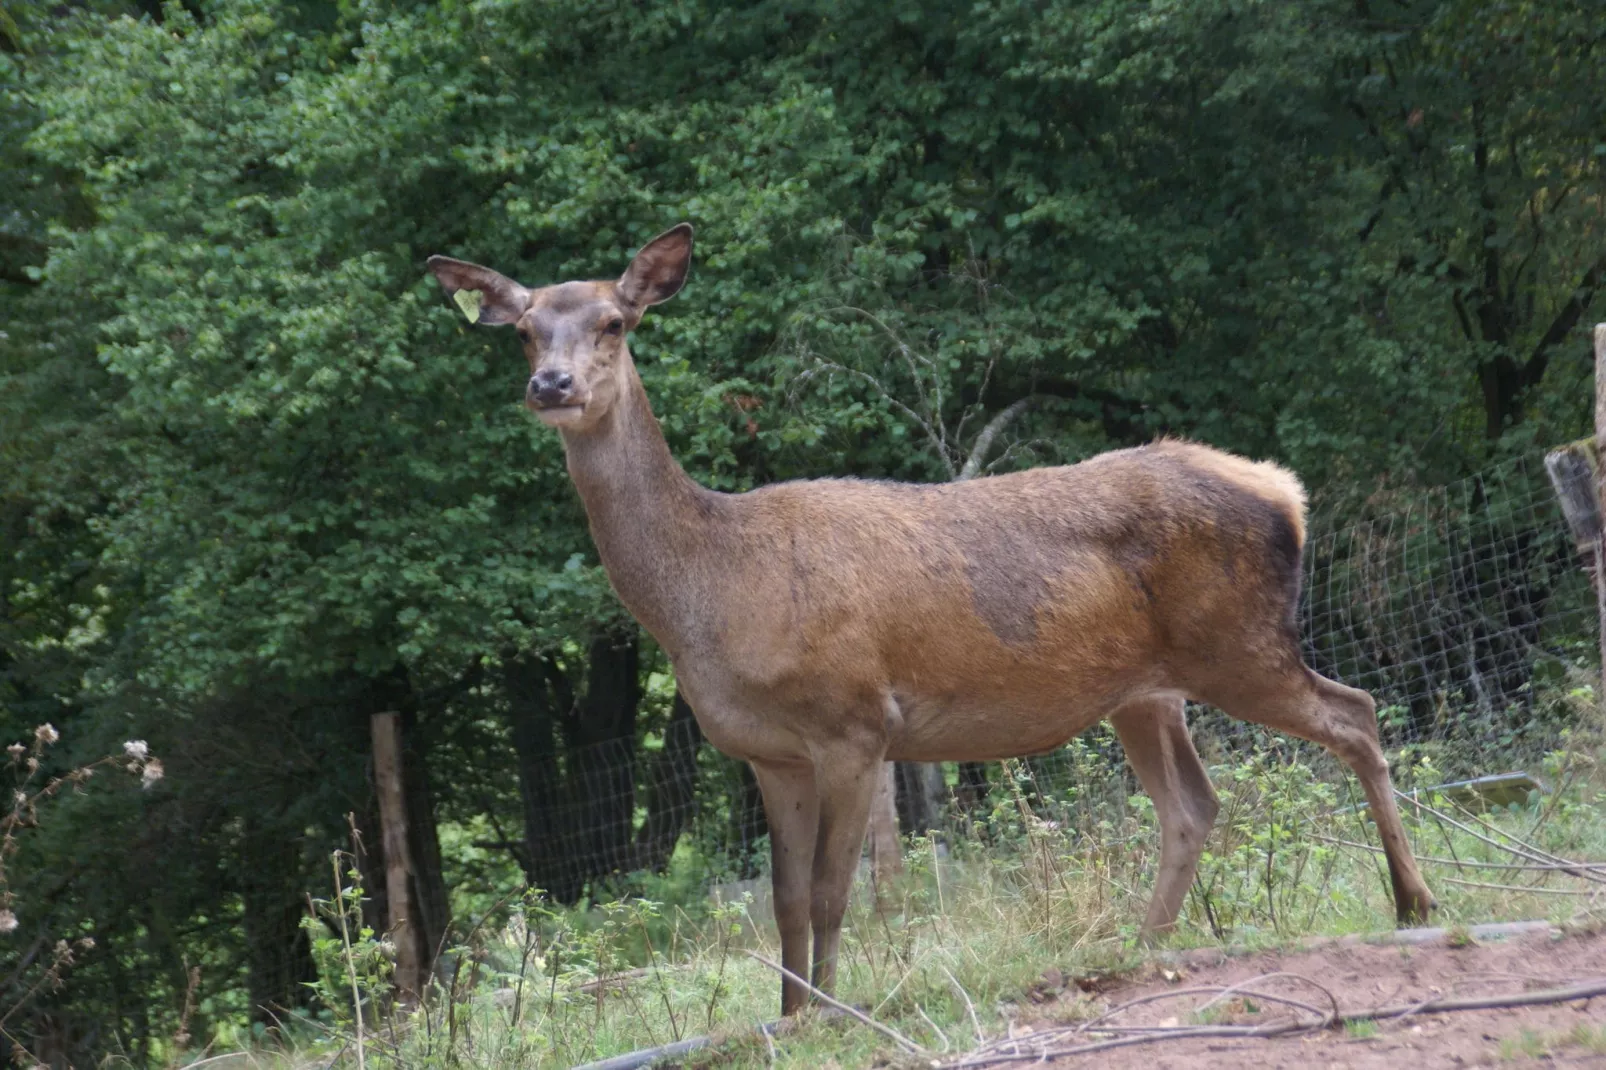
(659, 270)
(501, 299)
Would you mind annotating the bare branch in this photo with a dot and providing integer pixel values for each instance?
(984, 441)
(981, 393)
(1049, 1044)
(1523, 851)
(975, 1023)
(929, 395)
(887, 1031)
(937, 442)
(1578, 303)
(1014, 449)
(1534, 867)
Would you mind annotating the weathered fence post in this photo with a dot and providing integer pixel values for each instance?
(1579, 478)
(405, 928)
(1572, 476)
(1600, 495)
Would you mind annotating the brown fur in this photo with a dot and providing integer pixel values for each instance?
(820, 627)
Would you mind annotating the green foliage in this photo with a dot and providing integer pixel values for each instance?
(353, 963)
(1263, 869)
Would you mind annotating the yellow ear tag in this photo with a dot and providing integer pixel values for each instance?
(469, 302)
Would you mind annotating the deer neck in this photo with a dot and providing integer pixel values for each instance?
(651, 523)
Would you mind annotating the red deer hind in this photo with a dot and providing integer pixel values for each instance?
(820, 627)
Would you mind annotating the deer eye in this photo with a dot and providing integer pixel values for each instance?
(614, 326)
(524, 336)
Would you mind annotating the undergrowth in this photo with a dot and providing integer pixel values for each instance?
(1033, 896)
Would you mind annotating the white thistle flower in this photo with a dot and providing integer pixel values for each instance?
(8, 922)
(136, 749)
(46, 733)
(151, 773)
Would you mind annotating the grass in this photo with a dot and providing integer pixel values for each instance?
(1531, 1044)
(1044, 882)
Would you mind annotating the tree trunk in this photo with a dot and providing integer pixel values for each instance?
(671, 789)
(886, 850)
(424, 846)
(405, 928)
(971, 793)
(368, 847)
(579, 812)
(278, 955)
(920, 796)
(537, 695)
(602, 760)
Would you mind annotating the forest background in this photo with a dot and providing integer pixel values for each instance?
(259, 481)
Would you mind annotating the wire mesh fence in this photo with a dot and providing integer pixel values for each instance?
(1464, 610)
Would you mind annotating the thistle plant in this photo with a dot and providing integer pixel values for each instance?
(27, 796)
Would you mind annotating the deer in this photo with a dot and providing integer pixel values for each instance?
(821, 627)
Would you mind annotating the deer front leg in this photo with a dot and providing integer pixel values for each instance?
(846, 778)
(791, 806)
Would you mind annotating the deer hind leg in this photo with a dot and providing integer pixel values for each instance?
(847, 778)
(1344, 720)
(791, 806)
(1154, 733)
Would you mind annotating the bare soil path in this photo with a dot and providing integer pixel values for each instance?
(1358, 976)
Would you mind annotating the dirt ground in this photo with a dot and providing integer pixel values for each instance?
(1358, 976)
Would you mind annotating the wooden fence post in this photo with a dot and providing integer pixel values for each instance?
(1578, 474)
(406, 932)
(1573, 476)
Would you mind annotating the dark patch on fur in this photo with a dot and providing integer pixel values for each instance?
(1136, 551)
(1285, 561)
(1186, 509)
(1247, 524)
(1256, 535)
(1008, 566)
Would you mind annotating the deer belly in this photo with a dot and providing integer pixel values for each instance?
(950, 729)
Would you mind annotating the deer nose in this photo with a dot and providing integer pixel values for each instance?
(550, 387)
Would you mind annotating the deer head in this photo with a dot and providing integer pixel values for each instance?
(573, 333)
